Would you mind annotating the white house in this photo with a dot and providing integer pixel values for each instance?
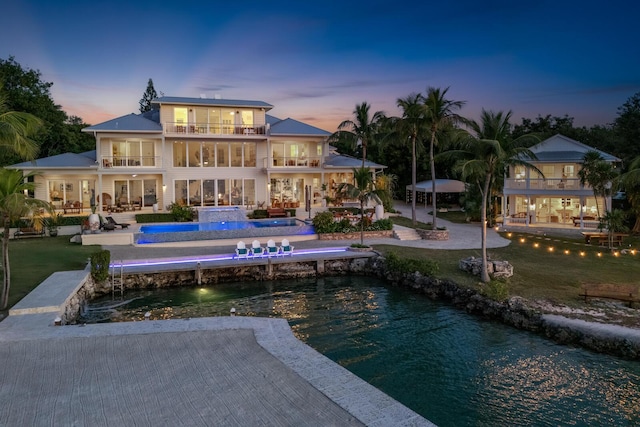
(199, 152)
(558, 198)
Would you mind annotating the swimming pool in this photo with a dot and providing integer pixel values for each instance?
(186, 231)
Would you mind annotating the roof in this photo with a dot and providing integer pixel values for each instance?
(129, 123)
(65, 160)
(442, 186)
(214, 102)
(562, 148)
(293, 127)
(342, 161)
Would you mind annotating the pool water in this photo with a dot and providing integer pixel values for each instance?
(221, 225)
(450, 367)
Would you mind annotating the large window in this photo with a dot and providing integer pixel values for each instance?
(133, 153)
(220, 192)
(209, 154)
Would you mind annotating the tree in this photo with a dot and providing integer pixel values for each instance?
(599, 174)
(488, 151)
(364, 190)
(13, 205)
(627, 128)
(439, 112)
(16, 129)
(149, 95)
(630, 182)
(411, 127)
(360, 131)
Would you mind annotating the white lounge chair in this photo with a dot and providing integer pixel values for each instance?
(256, 248)
(272, 249)
(241, 250)
(286, 248)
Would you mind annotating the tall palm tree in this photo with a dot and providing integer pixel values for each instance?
(599, 174)
(487, 153)
(14, 203)
(439, 111)
(411, 127)
(361, 130)
(364, 190)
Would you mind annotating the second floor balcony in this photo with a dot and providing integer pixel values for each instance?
(563, 184)
(293, 161)
(199, 129)
(130, 161)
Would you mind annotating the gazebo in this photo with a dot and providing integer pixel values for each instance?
(423, 189)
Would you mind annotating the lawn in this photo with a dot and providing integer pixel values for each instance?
(545, 267)
(33, 260)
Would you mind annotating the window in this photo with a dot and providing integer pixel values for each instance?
(194, 154)
(180, 116)
(133, 153)
(222, 156)
(179, 154)
(236, 154)
(249, 155)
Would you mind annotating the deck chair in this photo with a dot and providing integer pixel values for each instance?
(257, 249)
(286, 248)
(241, 250)
(106, 226)
(122, 225)
(272, 249)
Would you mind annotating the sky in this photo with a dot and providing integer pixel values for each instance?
(314, 61)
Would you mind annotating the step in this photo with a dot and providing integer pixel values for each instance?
(406, 234)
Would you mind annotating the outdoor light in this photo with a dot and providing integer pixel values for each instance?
(566, 251)
(57, 321)
(509, 234)
(147, 315)
(233, 311)
(550, 248)
(615, 253)
(581, 253)
(599, 254)
(522, 240)
(535, 245)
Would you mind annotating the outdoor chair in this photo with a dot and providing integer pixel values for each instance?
(122, 225)
(241, 250)
(257, 249)
(286, 248)
(106, 226)
(272, 249)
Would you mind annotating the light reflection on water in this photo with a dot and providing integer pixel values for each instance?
(451, 368)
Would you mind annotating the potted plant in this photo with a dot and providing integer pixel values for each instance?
(94, 221)
(155, 204)
(53, 223)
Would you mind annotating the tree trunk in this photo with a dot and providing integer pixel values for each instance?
(413, 180)
(432, 165)
(361, 222)
(484, 274)
(6, 283)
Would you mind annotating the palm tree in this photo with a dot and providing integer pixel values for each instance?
(411, 126)
(364, 190)
(487, 153)
(16, 128)
(14, 203)
(599, 174)
(439, 111)
(361, 130)
(630, 181)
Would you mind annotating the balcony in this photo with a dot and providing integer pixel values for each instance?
(130, 161)
(297, 162)
(564, 184)
(199, 129)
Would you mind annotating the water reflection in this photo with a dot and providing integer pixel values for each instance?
(452, 368)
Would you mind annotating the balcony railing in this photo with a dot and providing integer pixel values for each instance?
(212, 129)
(545, 184)
(289, 161)
(130, 161)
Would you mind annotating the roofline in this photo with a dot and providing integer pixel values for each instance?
(213, 102)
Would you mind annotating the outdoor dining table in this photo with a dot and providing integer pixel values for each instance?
(602, 235)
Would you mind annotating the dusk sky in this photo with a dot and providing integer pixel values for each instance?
(314, 61)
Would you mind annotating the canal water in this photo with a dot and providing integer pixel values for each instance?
(452, 368)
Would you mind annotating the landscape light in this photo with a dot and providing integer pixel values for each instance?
(522, 240)
(599, 254)
(582, 253)
(550, 248)
(536, 244)
(566, 251)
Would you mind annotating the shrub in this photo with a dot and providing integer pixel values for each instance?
(497, 290)
(323, 222)
(258, 214)
(408, 265)
(100, 265)
(147, 218)
(180, 212)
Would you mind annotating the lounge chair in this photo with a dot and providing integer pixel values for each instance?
(241, 250)
(257, 249)
(272, 249)
(286, 248)
(122, 225)
(106, 226)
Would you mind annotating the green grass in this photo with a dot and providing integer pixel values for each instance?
(539, 273)
(33, 260)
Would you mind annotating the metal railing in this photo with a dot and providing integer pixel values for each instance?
(174, 128)
(290, 161)
(545, 184)
(130, 161)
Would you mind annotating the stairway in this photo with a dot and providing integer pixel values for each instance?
(127, 217)
(403, 233)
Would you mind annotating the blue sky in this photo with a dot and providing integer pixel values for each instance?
(314, 61)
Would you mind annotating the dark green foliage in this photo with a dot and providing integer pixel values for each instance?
(148, 218)
(258, 214)
(397, 264)
(100, 265)
(324, 222)
(497, 290)
(149, 95)
(181, 213)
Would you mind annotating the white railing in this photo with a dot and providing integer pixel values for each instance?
(174, 128)
(545, 184)
(130, 161)
(291, 161)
